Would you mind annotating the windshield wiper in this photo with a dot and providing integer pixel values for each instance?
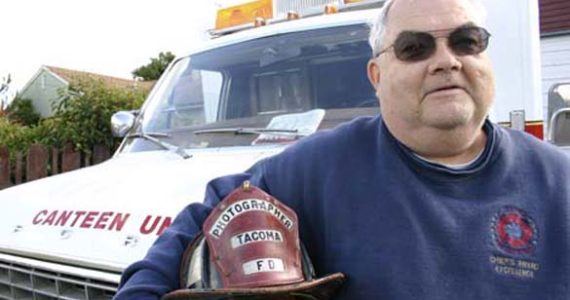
(150, 136)
(246, 131)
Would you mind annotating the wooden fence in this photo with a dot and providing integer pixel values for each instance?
(41, 161)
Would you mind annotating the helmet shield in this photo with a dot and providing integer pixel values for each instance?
(250, 249)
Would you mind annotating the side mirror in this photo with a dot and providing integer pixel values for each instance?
(559, 132)
(122, 122)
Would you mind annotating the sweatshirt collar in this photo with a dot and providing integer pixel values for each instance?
(419, 163)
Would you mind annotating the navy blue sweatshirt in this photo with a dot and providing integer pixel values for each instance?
(402, 228)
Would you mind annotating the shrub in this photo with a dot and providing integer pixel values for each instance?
(22, 111)
(83, 116)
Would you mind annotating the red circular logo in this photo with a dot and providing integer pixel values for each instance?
(514, 231)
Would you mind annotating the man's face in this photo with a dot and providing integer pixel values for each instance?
(444, 91)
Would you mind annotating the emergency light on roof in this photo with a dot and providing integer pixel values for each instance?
(244, 15)
(292, 15)
(330, 9)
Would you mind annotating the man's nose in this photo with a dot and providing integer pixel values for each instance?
(444, 59)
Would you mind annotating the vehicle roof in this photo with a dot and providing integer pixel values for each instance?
(315, 22)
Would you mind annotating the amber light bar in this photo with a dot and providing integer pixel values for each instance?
(246, 13)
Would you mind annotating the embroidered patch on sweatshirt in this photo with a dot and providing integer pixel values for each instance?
(515, 235)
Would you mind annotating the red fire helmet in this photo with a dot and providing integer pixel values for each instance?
(249, 248)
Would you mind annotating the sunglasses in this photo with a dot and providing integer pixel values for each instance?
(413, 46)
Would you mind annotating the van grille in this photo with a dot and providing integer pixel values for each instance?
(24, 282)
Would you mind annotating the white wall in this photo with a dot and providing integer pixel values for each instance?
(555, 62)
(515, 52)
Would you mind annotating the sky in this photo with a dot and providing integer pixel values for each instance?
(110, 37)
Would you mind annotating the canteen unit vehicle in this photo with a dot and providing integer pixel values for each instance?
(273, 72)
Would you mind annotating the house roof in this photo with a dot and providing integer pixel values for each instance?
(73, 76)
(554, 16)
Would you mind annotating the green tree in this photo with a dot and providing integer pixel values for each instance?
(13, 136)
(83, 116)
(156, 67)
(21, 111)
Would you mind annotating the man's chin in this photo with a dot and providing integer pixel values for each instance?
(448, 123)
(451, 117)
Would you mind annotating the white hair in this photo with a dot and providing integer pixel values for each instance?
(378, 28)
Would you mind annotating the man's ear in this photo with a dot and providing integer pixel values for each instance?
(373, 73)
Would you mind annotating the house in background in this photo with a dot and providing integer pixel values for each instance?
(554, 43)
(45, 86)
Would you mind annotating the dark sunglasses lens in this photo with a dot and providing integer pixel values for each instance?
(414, 46)
(469, 40)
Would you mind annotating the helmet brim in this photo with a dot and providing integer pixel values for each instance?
(321, 288)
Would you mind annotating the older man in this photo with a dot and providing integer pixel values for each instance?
(428, 201)
(434, 101)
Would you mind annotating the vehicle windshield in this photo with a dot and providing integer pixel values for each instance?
(222, 97)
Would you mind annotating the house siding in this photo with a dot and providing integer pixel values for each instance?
(554, 16)
(44, 94)
(555, 45)
(555, 62)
